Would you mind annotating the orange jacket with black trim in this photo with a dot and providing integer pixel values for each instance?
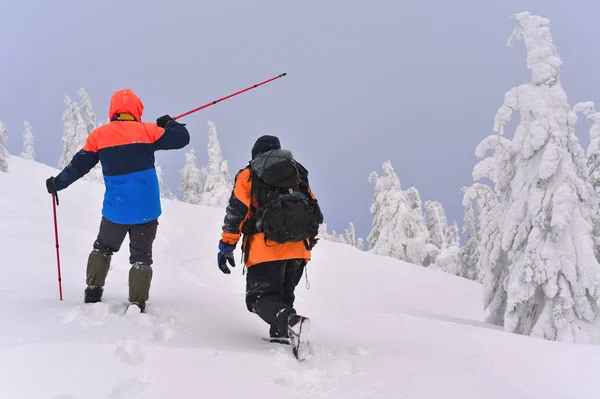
(256, 248)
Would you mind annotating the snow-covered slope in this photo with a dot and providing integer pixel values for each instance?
(381, 328)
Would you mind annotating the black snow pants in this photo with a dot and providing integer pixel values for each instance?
(270, 290)
(141, 237)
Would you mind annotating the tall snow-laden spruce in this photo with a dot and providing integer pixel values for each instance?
(87, 112)
(350, 235)
(28, 142)
(74, 132)
(540, 273)
(452, 237)
(4, 154)
(216, 178)
(470, 252)
(191, 183)
(397, 229)
(437, 224)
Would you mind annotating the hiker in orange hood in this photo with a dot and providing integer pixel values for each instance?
(273, 206)
(125, 148)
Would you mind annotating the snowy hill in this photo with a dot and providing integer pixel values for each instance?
(381, 328)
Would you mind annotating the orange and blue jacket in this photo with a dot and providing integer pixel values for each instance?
(125, 149)
(256, 248)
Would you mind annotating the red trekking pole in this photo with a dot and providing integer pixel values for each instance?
(229, 96)
(54, 204)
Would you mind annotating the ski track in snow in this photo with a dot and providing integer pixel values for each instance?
(380, 328)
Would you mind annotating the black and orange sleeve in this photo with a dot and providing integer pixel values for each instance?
(80, 165)
(238, 209)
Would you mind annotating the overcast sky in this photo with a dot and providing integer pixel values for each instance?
(417, 82)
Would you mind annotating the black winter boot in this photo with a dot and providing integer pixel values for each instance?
(93, 294)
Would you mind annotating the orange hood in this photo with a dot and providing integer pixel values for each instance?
(126, 102)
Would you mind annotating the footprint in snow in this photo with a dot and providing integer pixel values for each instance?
(130, 352)
(131, 387)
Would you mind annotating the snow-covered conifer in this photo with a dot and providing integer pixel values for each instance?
(437, 224)
(74, 132)
(217, 180)
(28, 142)
(191, 184)
(86, 110)
(4, 155)
(350, 236)
(452, 237)
(397, 229)
(540, 273)
(470, 252)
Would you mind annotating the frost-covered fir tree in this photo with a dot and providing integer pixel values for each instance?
(28, 142)
(437, 224)
(470, 252)
(217, 180)
(397, 230)
(87, 112)
(4, 154)
(191, 184)
(452, 237)
(74, 132)
(350, 236)
(540, 274)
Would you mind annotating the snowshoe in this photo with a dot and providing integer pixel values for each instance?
(93, 294)
(298, 330)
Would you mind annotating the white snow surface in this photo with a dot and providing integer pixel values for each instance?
(381, 328)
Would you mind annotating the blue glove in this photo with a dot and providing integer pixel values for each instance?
(225, 254)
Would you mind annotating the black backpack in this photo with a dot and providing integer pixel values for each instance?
(286, 212)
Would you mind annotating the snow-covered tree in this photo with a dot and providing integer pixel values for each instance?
(74, 132)
(191, 184)
(350, 235)
(87, 112)
(28, 142)
(593, 162)
(540, 273)
(452, 237)
(437, 224)
(397, 229)
(217, 180)
(470, 252)
(4, 154)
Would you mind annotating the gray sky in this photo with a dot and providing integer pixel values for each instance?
(418, 83)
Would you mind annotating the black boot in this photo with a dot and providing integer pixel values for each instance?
(93, 294)
(277, 337)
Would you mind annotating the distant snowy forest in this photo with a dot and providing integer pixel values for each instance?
(531, 226)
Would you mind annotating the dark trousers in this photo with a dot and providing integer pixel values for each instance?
(141, 237)
(270, 291)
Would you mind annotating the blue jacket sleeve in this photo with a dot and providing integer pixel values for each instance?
(81, 164)
(176, 136)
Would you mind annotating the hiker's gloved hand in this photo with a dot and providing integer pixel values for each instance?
(50, 186)
(225, 254)
(312, 242)
(162, 121)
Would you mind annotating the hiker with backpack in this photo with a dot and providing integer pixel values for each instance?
(274, 209)
(125, 148)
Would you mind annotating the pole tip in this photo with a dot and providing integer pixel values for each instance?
(283, 74)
